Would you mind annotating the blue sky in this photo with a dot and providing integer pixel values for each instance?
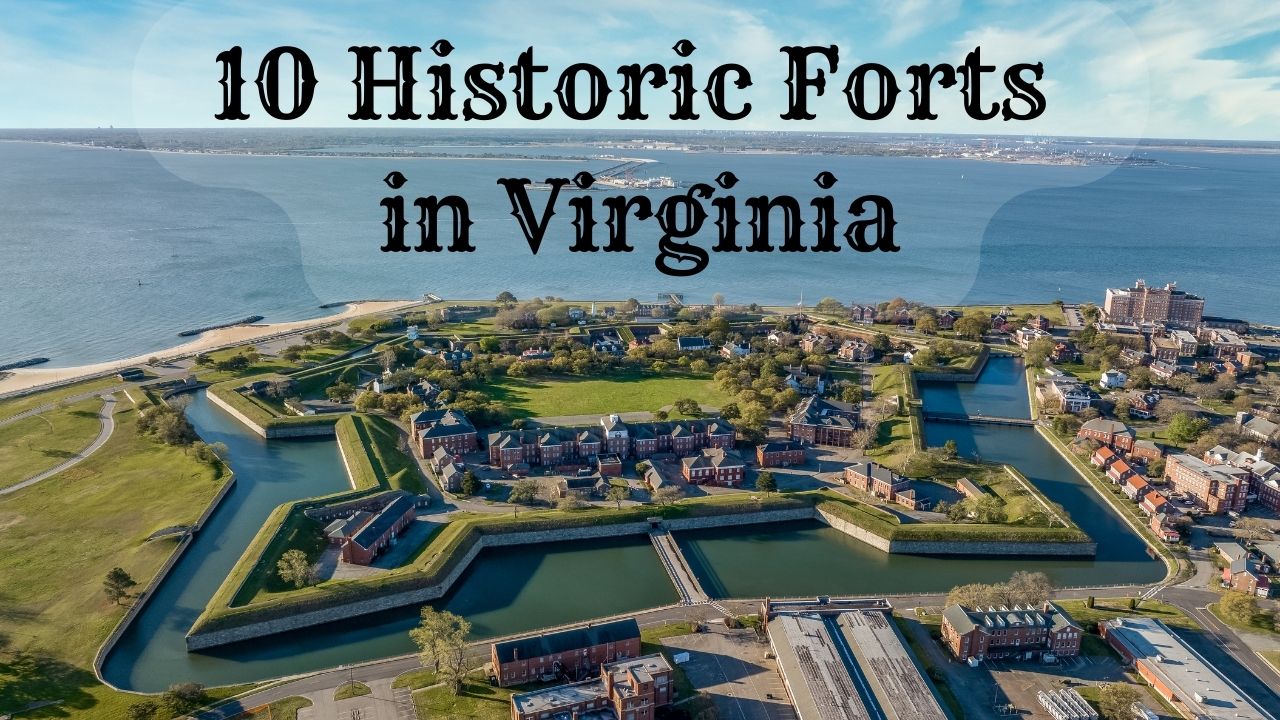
(1127, 69)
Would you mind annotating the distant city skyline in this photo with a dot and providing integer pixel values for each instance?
(1154, 69)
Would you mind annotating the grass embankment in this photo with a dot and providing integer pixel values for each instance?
(260, 413)
(890, 526)
(1263, 621)
(899, 435)
(37, 443)
(1110, 608)
(349, 690)
(622, 392)
(57, 541)
(369, 444)
(1050, 310)
(447, 548)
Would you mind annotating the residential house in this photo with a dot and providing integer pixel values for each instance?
(1143, 404)
(1145, 451)
(714, 466)
(1002, 632)
(1134, 487)
(1120, 471)
(806, 380)
(731, 350)
(575, 652)
(1259, 427)
(1226, 343)
(686, 343)
(1155, 503)
(819, 421)
(1026, 335)
(1063, 393)
(1112, 379)
(779, 453)
(1245, 572)
(857, 351)
(815, 343)
(1165, 348)
(1164, 370)
(865, 314)
(1162, 525)
(1134, 358)
(1065, 351)
(1103, 457)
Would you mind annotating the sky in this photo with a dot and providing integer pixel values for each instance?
(1140, 68)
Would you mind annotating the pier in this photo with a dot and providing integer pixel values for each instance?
(691, 592)
(981, 419)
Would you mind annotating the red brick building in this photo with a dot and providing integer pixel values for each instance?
(1108, 432)
(1001, 632)
(630, 689)
(1216, 488)
(779, 453)
(575, 653)
(553, 445)
(448, 429)
(818, 421)
(714, 466)
(377, 531)
(881, 482)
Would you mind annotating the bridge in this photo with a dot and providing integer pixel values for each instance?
(691, 592)
(980, 419)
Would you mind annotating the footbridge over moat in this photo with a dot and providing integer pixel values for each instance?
(979, 418)
(691, 592)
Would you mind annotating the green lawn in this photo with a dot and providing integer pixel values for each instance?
(35, 444)
(265, 364)
(1049, 310)
(286, 709)
(9, 408)
(350, 690)
(1262, 621)
(57, 541)
(1082, 371)
(415, 679)
(1110, 608)
(478, 701)
(630, 392)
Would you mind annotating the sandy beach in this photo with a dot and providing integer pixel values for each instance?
(28, 378)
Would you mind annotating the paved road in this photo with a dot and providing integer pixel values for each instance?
(108, 427)
(64, 401)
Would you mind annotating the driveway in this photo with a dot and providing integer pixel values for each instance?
(108, 426)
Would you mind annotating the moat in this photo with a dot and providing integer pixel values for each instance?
(516, 589)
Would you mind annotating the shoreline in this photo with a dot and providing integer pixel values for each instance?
(24, 380)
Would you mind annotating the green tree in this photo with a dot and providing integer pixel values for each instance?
(1039, 350)
(700, 366)
(117, 584)
(730, 411)
(1238, 608)
(618, 493)
(688, 407)
(1115, 701)
(1184, 429)
(924, 358)
(927, 324)
(950, 449)
(829, 305)
(182, 698)
(766, 483)
(441, 637)
(470, 483)
(293, 353)
(973, 325)
(294, 568)
(506, 298)
(524, 492)
(667, 495)
(145, 710)
(340, 391)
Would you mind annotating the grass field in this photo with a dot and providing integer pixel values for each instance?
(1049, 310)
(349, 690)
(286, 709)
(34, 444)
(1110, 608)
(630, 392)
(265, 364)
(1262, 621)
(9, 408)
(477, 701)
(57, 541)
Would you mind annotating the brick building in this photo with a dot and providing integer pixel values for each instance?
(1108, 432)
(818, 421)
(714, 466)
(630, 689)
(364, 535)
(881, 482)
(553, 445)
(1216, 488)
(1003, 632)
(448, 429)
(779, 453)
(575, 653)
(1145, 304)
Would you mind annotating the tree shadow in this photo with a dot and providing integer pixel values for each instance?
(29, 679)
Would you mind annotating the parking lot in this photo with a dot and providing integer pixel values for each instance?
(1019, 682)
(731, 667)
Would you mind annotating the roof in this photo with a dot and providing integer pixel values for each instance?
(965, 620)
(713, 457)
(774, 446)
(1109, 427)
(1205, 691)
(442, 423)
(574, 638)
(692, 343)
(815, 410)
(384, 521)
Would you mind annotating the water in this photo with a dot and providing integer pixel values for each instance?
(217, 238)
(517, 589)
(505, 591)
(812, 559)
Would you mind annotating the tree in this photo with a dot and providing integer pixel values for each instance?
(688, 406)
(924, 358)
(851, 394)
(294, 568)
(700, 366)
(368, 402)
(950, 449)
(1028, 587)
(730, 411)
(506, 298)
(182, 698)
(1238, 608)
(618, 493)
(1155, 468)
(1253, 529)
(927, 324)
(340, 391)
(829, 305)
(117, 583)
(471, 484)
(1167, 408)
(973, 325)
(524, 492)
(441, 638)
(717, 299)
(766, 483)
(293, 353)
(1039, 350)
(1115, 701)
(569, 502)
(667, 495)
(987, 509)
(1184, 429)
